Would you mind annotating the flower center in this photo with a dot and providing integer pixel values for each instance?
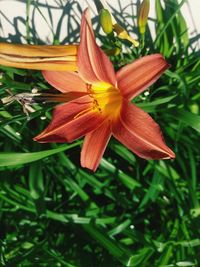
(106, 99)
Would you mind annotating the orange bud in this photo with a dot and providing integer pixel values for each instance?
(39, 57)
(143, 15)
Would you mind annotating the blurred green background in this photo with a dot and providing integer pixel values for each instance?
(131, 212)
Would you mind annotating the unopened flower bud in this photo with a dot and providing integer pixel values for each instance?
(113, 52)
(106, 21)
(143, 15)
(123, 34)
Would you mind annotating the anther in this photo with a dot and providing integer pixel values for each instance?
(89, 88)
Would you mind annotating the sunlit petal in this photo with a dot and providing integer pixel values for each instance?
(93, 64)
(58, 65)
(135, 77)
(37, 50)
(65, 81)
(40, 57)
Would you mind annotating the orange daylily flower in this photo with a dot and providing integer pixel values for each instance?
(105, 109)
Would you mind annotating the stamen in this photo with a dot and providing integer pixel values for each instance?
(104, 97)
(96, 105)
(89, 89)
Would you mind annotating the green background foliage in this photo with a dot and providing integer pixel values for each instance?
(131, 212)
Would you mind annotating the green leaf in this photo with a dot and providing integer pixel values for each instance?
(184, 30)
(9, 159)
(151, 106)
(153, 191)
(124, 178)
(167, 24)
(36, 185)
(188, 118)
(141, 257)
(110, 244)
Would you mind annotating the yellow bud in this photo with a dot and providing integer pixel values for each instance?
(143, 15)
(106, 21)
(123, 34)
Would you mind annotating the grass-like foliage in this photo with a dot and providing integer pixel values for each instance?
(131, 212)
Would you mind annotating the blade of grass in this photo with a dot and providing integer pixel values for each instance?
(9, 159)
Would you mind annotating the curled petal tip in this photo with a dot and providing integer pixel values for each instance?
(172, 155)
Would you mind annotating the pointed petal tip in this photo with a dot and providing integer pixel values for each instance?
(88, 165)
(40, 138)
(172, 155)
(135, 77)
(93, 64)
(86, 12)
(91, 168)
(164, 155)
(35, 138)
(44, 138)
(168, 153)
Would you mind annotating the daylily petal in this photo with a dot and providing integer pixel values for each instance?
(140, 133)
(93, 64)
(65, 81)
(135, 77)
(40, 57)
(71, 121)
(37, 50)
(94, 146)
(54, 65)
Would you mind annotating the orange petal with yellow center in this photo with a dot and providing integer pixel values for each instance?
(93, 64)
(94, 146)
(135, 77)
(71, 121)
(65, 81)
(140, 133)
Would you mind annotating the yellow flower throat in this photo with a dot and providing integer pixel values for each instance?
(106, 99)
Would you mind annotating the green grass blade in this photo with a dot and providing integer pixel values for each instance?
(9, 159)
